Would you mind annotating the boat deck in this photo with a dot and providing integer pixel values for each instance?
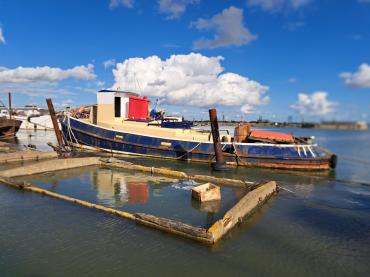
(143, 128)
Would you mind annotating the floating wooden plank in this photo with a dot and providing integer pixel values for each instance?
(114, 163)
(29, 187)
(170, 172)
(163, 224)
(175, 227)
(221, 181)
(243, 208)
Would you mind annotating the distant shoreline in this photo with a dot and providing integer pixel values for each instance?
(332, 125)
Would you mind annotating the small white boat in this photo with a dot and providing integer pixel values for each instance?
(32, 117)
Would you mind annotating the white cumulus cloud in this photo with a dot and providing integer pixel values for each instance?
(278, 5)
(45, 74)
(2, 38)
(36, 89)
(192, 80)
(175, 8)
(314, 104)
(359, 79)
(109, 63)
(125, 3)
(67, 103)
(229, 30)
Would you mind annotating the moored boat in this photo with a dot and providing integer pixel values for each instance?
(120, 123)
(9, 127)
(32, 117)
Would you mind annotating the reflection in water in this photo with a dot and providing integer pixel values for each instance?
(117, 188)
(157, 195)
(207, 206)
(39, 138)
(137, 192)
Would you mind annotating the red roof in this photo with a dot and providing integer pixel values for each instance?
(282, 137)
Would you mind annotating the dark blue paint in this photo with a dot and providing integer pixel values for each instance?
(191, 150)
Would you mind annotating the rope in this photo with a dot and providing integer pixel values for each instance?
(237, 156)
(223, 147)
(288, 190)
(71, 132)
(187, 152)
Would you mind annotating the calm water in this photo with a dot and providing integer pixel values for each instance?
(318, 225)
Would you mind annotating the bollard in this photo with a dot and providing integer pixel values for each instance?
(220, 164)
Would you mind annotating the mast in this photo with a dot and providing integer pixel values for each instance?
(10, 105)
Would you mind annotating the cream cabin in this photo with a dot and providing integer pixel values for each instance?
(115, 106)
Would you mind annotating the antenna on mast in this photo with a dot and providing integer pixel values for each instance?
(137, 83)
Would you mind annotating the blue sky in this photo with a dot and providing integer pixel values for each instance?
(305, 58)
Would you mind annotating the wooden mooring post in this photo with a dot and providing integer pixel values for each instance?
(54, 119)
(220, 164)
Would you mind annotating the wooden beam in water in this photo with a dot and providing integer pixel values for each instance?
(245, 207)
(113, 163)
(163, 224)
(259, 193)
(175, 227)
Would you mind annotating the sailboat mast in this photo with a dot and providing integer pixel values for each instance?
(10, 104)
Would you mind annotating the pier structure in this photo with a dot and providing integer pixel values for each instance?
(9, 153)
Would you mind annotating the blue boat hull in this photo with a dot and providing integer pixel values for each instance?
(306, 157)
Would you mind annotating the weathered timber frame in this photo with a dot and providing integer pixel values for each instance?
(257, 195)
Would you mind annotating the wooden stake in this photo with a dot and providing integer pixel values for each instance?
(220, 164)
(54, 119)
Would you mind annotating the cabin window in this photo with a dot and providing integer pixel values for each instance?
(117, 106)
